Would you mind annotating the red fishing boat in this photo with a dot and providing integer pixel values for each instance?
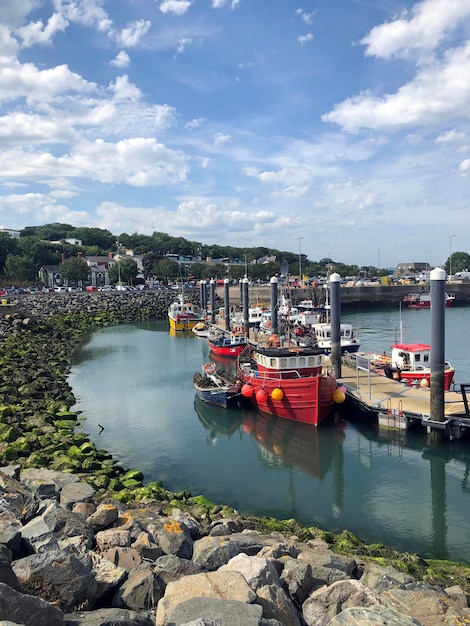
(423, 300)
(410, 363)
(287, 382)
(228, 344)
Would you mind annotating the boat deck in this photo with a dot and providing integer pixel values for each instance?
(401, 404)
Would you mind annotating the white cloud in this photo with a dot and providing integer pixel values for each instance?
(450, 136)
(430, 22)
(220, 139)
(183, 44)
(122, 59)
(417, 103)
(196, 123)
(26, 81)
(137, 162)
(86, 12)
(464, 167)
(305, 38)
(131, 35)
(218, 4)
(307, 18)
(177, 7)
(125, 90)
(37, 33)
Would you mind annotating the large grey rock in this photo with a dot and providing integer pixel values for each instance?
(113, 538)
(297, 578)
(170, 568)
(7, 575)
(322, 605)
(215, 611)
(108, 576)
(58, 577)
(256, 571)
(213, 552)
(76, 492)
(108, 617)
(140, 591)
(174, 538)
(35, 478)
(17, 499)
(103, 516)
(220, 585)
(372, 616)
(29, 610)
(277, 605)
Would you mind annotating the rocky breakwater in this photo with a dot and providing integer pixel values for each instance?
(67, 558)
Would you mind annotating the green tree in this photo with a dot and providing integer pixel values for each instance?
(8, 245)
(20, 268)
(166, 270)
(74, 269)
(124, 269)
(458, 262)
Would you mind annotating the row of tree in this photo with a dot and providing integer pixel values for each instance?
(38, 246)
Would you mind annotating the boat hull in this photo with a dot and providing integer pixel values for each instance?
(306, 400)
(217, 397)
(226, 351)
(181, 325)
(411, 377)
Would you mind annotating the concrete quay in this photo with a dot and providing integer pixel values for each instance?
(397, 405)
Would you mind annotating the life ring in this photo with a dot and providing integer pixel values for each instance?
(208, 368)
(238, 330)
(268, 325)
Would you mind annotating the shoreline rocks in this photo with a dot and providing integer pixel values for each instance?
(67, 558)
(83, 540)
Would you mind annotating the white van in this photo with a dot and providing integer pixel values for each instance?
(462, 275)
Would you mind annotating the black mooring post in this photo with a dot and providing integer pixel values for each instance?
(274, 305)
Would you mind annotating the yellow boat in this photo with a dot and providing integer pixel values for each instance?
(182, 315)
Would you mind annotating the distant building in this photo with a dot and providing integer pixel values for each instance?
(410, 269)
(14, 234)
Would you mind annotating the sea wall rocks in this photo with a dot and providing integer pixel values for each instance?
(67, 558)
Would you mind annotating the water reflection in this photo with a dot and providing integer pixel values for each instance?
(405, 489)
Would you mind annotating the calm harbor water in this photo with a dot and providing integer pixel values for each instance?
(405, 490)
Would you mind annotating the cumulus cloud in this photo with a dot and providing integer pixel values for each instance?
(137, 162)
(430, 21)
(12, 14)
(122, 59)
(86, 12)
(176, 7)
(218, 4)
(464, 167)
(305, 38)
(450, 136)
(37, 33)
(416, 103)
(125, 90)
(307, 18)
(196, 123)
(131, 35)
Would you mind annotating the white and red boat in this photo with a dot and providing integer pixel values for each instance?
(423, 300)
(287, 382)
(410, 363)
(228, 344)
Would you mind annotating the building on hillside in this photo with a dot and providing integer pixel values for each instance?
(14, 234)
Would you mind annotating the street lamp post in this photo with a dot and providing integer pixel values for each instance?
(300, 261)
(450, 255)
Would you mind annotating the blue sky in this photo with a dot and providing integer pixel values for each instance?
(336, 129)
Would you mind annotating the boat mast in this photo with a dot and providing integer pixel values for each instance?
(118, 262)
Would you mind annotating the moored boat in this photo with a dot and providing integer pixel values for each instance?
(183, 315)
(217, 387)
(201, 329)
(418, 300)
(410, 363)
(287, 382)
(228, 344)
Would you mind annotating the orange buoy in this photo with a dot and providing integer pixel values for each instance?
(277, 394)
(424, 382)
(247, 390)
(261, 395)
(339, 396)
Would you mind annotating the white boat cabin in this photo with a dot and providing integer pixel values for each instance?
(411, 356)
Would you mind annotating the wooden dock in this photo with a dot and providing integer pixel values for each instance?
(397, 405)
